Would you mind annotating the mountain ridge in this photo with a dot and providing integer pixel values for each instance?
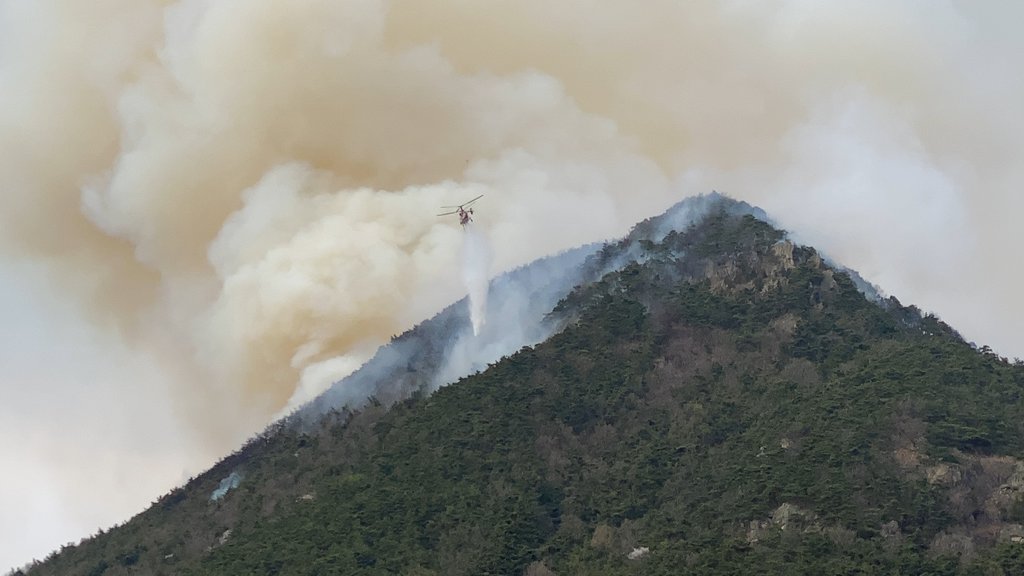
(716, 395)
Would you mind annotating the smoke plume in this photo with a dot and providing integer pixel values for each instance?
(246, 191)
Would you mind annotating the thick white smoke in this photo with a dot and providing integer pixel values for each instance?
(246, 191)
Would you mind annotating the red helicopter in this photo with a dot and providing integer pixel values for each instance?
(465, 215)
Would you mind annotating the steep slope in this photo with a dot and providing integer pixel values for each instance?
(714, 400)
(444, 348)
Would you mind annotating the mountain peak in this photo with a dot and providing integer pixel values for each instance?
(702, 393)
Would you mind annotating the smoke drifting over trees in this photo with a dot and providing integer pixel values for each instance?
(245, 191)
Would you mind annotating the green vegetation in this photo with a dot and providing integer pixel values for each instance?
(731, 403)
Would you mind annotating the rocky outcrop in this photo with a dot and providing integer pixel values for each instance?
(985, 493)
(787, 517)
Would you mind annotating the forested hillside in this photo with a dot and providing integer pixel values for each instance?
(721, 402)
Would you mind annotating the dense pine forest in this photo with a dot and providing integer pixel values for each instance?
(722, 402)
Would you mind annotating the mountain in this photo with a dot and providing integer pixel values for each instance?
(703, 396)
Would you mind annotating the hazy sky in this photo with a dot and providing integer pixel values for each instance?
(209, 209)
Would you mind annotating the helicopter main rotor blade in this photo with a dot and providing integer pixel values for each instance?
(466, 204)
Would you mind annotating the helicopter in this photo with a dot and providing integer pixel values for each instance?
(465, 214)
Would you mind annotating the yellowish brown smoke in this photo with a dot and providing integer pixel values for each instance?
(248, 189)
